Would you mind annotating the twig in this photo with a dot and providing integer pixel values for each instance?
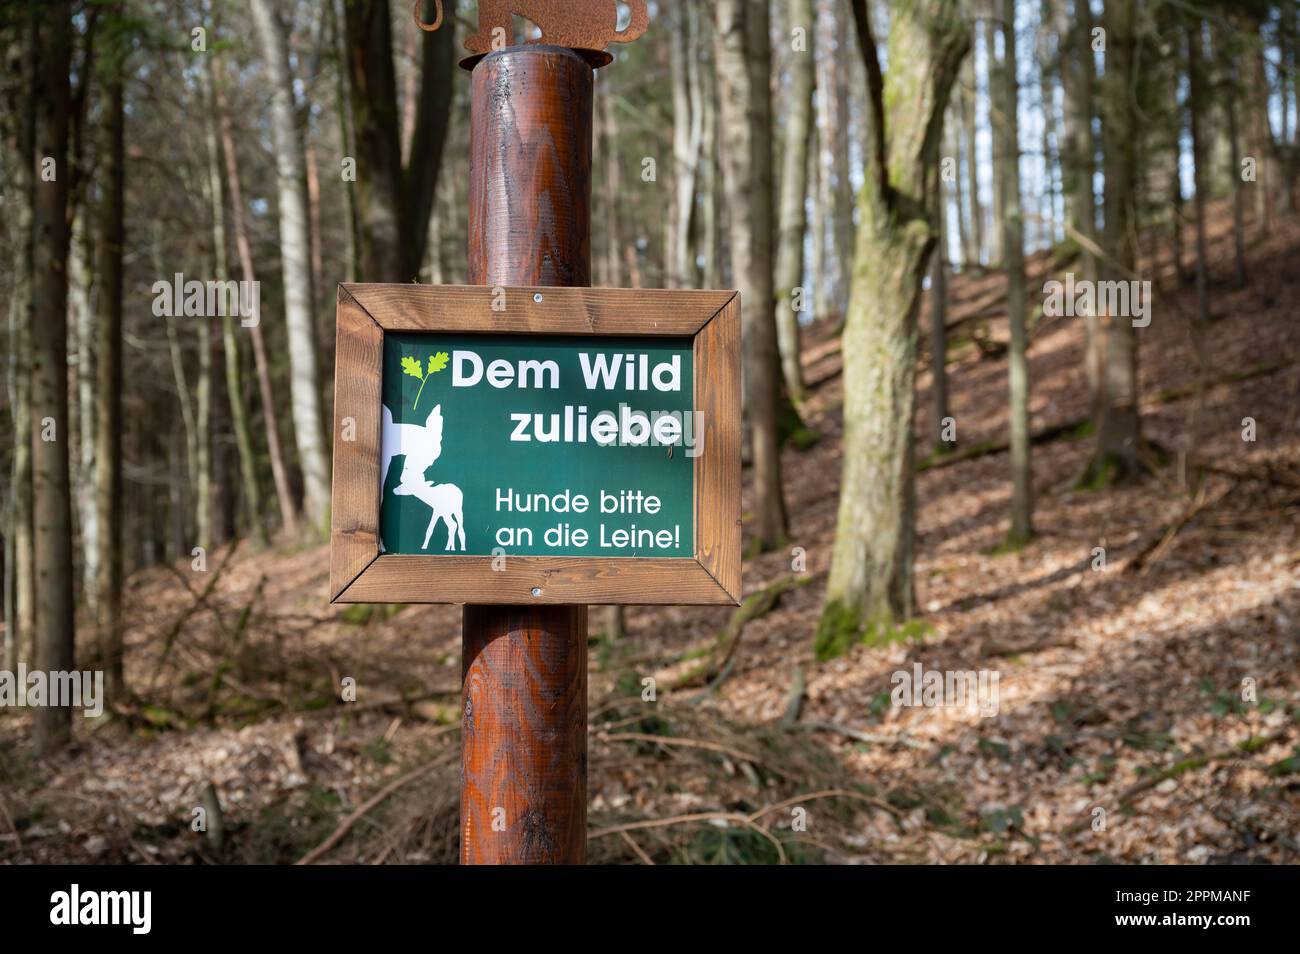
(640, 852)
(857, 735)
(684, 743)
(827, 793)
(4, 810)
(324, 847)
(1155, 550)
(755, 605)
(686, 819)
(794, 701)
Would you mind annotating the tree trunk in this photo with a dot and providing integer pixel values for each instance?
(952, 149)
(990, 80)
(270, 414)
(1006, 132)
(688, 132)
(797, 110)
(19, 143)
(938, 326)
(1118, 452)
(295, 250)
(969, 115)
(827, 281)
(108, 430)
(1195, 109)
(81, 272)
(608, 113)
(52, 507)
(394, 198)
(203, 439)
(710, 192)
(1079, 79)
(743, 55)
(870, 587)
(1232, 80)
(1261, 134)
(230, 345)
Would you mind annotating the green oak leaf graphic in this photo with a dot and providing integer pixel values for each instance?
(412, 367)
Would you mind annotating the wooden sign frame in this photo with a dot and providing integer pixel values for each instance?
(359, 573)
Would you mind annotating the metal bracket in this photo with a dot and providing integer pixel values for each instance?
(577, 24)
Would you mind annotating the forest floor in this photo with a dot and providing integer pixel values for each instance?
(1118, 731)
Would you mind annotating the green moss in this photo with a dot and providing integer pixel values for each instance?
(363, 614)
(1099, 475)
(841, 628)
(837, 630)
(804, 438)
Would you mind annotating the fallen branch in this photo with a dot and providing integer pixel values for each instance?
(828, 793)
(669, 740)
(686, 819)
(200, 600)
(1163, 541)
(756, 605)
(1248, 747)
(858, 735)
(1129, 795)
(339, 833)
(794, 701)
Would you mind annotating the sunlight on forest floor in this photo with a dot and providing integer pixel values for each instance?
(1119, 689)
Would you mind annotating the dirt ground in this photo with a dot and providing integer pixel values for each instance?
(1146, 711)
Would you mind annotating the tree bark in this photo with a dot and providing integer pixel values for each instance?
(870, 586)
(688, 133)
(270, 414)
(969, 115)
(230, 345)
(393, 198)
(798, 111)
(1117, 455)
(938, 325)
(295, 251)
(52, 508)
(990, 80)
(1006, 131)
(743, 54)
(19, 141)
(1228, 60)
(1195, 111)
(81, 277)
(108, 430)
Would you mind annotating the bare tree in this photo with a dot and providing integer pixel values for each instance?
(19, 117)
(108, 429)
(743, 55)
(244, 249)
(1006, 132)
(52, 507)
(870, 586)
(394, 197)
(798, 112)
(1118, 451)
(295, 251)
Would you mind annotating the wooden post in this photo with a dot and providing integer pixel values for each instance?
(524, 697)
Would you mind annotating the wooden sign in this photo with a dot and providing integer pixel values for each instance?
(536, 445)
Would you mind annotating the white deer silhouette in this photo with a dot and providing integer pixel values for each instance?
(419, 446)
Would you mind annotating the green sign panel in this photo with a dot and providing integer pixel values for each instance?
(538, 446)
